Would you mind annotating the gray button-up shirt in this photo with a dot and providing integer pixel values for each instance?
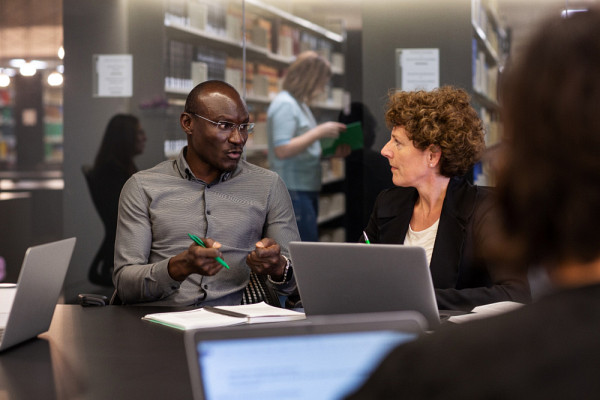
(160, 206)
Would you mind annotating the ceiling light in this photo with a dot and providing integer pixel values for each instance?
(55, 79)
(27, 69)
(568, 12)
(61, 52)
(4, 79)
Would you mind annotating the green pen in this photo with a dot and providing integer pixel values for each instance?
(201, 243)
(366, 238)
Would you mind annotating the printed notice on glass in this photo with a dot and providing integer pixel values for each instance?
(417, 69)
(113, 75)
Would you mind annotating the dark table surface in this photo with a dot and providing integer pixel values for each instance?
(98, 353)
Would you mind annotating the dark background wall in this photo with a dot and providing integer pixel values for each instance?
(90, 27)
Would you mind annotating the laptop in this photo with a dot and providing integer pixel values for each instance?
(341, 278)
(27, 307)
(320, 358)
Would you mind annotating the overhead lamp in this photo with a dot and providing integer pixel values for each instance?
(61, 52)
(568, 12)
(27, 69)
(55, 79)
(4, 79)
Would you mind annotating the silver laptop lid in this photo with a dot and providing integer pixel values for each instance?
(40, 282)
(341, 278)
(321, 358)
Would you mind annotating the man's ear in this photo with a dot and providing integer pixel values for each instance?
(186, 123)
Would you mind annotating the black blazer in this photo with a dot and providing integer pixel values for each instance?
(461, 277)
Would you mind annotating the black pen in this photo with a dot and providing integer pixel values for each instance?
(217, 310)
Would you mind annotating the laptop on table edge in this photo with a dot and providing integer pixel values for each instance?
(37, 291)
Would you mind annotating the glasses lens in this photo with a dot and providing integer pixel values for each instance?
(226, 126)
(246, 128)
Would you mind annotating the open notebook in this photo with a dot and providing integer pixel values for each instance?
(28, 307)
(211, 317)
(319, 358)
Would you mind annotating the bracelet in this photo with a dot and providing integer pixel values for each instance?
(286, 270)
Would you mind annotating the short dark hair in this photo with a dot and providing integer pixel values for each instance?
(191, 102)
(549, 187)
(442, 117)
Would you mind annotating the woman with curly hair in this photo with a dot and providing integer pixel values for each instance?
(436, 139)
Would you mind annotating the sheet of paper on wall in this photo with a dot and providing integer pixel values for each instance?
(486, 311)
(352, 136)
(209, 317)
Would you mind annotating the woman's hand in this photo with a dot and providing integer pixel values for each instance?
(330, 129)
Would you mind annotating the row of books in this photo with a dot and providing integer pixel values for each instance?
(293, 41)
(226, 19)
(187, 65)
(492, 126)
(485, 75)
(485, 17)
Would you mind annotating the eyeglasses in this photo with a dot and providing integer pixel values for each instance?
(228, 127)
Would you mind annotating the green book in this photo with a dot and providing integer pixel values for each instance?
(353, 136)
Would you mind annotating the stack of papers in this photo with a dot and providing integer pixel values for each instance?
(211, 317)
(486, 311)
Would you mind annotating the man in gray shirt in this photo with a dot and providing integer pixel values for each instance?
(242, 212)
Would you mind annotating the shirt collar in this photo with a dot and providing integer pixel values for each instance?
(186, 172)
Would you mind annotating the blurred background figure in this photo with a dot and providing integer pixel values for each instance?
(294, 146)
(123, 139)
(367, 171)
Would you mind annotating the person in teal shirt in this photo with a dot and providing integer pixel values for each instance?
(294, 146)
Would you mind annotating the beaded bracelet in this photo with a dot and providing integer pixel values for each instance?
(285, 279)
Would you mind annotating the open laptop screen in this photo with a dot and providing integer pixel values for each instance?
(316, 366)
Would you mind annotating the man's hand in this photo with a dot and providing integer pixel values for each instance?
(196, 260)
(266, 259)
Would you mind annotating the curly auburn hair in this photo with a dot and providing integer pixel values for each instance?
(442, 117)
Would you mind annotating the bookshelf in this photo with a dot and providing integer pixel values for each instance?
(53, 125)
(8, 141)
(489, 49)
